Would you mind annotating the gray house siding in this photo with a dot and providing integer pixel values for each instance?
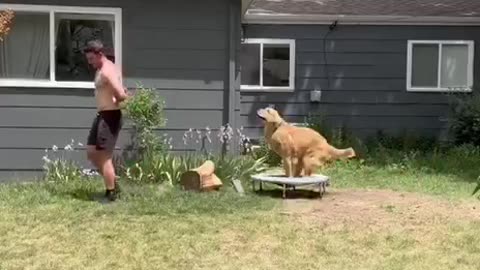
(365, 89)
(178, 47)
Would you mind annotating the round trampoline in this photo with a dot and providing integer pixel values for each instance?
(321, 181)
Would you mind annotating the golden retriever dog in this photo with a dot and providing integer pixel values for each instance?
(301, 149)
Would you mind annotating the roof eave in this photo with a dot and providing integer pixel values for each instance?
(245, 5)
(266, 18)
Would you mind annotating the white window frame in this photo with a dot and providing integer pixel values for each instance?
(52, 10)
(261, 42)
(470, 65)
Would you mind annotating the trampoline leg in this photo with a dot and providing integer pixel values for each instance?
(284, 191)
(320, 191)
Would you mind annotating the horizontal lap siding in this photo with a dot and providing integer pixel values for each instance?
(363, 78)
(177, 47)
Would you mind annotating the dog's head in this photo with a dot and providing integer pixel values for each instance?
(269, 115)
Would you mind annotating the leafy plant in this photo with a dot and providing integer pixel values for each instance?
(340, 137)
(267, 155)
(231, 168)
(465, 119)
(145, 110)
(477, 188)
(161, 168)
(405, 141)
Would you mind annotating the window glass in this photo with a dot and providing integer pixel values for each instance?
(454, 65)
(25, 51)
(72, 33)
(276, 65)
(425, 65)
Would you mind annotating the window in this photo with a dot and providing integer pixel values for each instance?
(268, 64)
(440, 65)
(45, 45)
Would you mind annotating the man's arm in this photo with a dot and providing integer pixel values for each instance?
(119, 91)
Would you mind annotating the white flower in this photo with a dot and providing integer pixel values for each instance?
(80, 144)
(68, 147)
(46, 159)
(55, 148)
(199, 134)
(89, 172)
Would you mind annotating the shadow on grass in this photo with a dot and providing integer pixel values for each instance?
(155, 199)
(85, 195)
(298, 193)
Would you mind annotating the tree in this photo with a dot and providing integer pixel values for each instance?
(6, 18)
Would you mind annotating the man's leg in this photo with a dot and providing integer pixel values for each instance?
(92, 155)
(105, 164)
(102, 160)
(108, 130)
(92, 139)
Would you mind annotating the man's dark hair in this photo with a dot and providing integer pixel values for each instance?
(94, 46)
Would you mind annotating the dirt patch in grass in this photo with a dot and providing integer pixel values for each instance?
(379, 209)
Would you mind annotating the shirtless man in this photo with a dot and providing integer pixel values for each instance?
(109, 92)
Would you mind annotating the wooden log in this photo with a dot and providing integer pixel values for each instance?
(202, 178)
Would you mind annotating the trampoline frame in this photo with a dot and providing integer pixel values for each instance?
(290, 183)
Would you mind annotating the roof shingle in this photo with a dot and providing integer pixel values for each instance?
(444, 8)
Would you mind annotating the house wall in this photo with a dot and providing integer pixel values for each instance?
(178, 47)
(365, 89)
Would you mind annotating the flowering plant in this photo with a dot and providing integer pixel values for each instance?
(225, 136)
(60, 166)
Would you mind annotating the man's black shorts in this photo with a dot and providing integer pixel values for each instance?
(105, 129)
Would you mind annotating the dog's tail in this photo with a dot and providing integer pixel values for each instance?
(342, 153)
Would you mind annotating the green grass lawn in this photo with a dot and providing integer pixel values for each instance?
(59, 226)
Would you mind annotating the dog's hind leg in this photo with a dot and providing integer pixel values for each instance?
(298, 165)
(308, 166)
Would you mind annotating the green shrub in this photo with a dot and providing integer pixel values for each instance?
(406, 142)
(465, 119)
(231, 167)
(268, 155)
(339, 137)
(145, 110)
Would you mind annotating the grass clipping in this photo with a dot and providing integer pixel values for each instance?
(6, 19)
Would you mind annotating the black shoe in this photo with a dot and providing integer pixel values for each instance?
(111, 195)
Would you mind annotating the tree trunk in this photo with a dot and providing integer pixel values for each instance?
(202, 178)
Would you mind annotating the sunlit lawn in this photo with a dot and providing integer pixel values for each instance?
(59, 226)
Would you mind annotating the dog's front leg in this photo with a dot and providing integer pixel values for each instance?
(287, 166)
